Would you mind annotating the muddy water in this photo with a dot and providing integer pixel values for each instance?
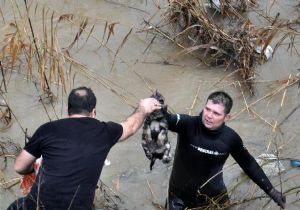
(133, 74)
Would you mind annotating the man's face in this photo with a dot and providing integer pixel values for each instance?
(213, 115)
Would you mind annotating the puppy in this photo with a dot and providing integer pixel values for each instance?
(155, 134)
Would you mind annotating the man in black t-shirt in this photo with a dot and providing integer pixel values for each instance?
(204, 143)
(73, 150)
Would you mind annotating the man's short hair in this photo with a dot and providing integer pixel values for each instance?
(81, 100)
(220, 97)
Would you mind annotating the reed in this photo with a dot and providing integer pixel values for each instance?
(224, 36)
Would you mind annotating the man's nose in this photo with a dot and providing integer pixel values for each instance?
(209, 114)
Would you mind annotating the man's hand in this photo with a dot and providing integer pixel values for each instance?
(134, 121)
(148, 105)
(278, 197)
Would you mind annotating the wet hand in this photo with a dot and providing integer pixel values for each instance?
(278, 197)
(149, 105)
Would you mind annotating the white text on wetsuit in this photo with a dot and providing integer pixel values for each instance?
(206, 151)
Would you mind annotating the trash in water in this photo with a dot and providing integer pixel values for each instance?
(107, 162)
(268, 51)
(295, 163)
(270, 164)
(215, 4)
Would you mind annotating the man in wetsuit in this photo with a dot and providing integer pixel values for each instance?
(73, 150)
(204, 143)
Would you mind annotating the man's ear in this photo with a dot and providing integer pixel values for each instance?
(227, 117)
(93, 113)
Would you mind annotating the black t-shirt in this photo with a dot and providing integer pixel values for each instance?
(73, 151)
(200, 157)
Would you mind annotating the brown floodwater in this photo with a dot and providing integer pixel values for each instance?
(120, 81)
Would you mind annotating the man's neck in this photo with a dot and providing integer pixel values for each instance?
(77, 116)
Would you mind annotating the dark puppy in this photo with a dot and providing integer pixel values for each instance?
(155, 134)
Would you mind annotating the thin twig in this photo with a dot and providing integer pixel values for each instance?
(196, 97)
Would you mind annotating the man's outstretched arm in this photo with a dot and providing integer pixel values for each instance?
(255, 172)
(134, 121)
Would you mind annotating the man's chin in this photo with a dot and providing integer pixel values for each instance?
(208, 126)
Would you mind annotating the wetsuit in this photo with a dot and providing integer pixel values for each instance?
(200, 155)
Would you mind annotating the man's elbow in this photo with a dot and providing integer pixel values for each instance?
(128, 130)
(19, 169)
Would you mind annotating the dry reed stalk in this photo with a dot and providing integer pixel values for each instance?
(168, 37)
(110, 27)
(245, 101)
(153, 196)
(5, 116)
(10, 183)
(120, 47)
(18, 44)
(127, 6)
(290, 114)
(44, 82)
(5, 119)
(284, 93)
(234, 45)
(12, 114)
(263, 119)
(3, 78)
(148, 46)
(82, 27)
(100, 80)
(294, 80)
(196, 97)
(1, 13)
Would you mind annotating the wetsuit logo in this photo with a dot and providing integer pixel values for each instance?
(206, 151)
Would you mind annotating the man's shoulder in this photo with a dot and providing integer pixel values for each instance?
(69, 122)
(230, 132)
(184, 117)
(112, 125)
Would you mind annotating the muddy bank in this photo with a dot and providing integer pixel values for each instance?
(120, 81)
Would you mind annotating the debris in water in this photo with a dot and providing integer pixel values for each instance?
(107, 162)
(268, 52)
(295, 163)
(270, 164)
(5, 115)
(216, 5)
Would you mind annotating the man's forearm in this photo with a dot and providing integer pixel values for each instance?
(132, 123)
(136, 120)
